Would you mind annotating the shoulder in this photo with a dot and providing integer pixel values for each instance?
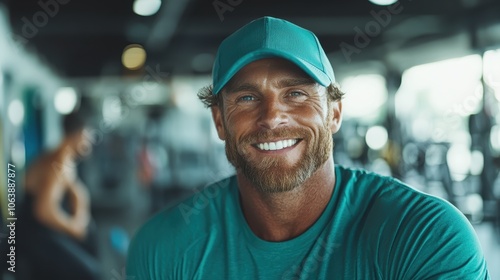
(388, 192)
(168, 235)
(422, 236)
(429, 238)
(360, 178)
(362, 188)
(389, 200)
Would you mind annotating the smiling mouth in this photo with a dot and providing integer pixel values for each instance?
(278, 145)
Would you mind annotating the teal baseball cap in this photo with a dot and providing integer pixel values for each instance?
(271, 37)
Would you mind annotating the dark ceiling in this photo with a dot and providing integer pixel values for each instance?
(86, 38)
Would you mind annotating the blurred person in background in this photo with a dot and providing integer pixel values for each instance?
(56, 231)
(290, 212)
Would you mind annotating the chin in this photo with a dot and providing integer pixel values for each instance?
(278, 178)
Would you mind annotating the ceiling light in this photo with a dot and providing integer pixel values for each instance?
(133, 57)
(383, 2)
(65, 100)
(146, 7)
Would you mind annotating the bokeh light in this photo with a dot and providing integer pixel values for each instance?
(133, 57)
(65, 100)
(376, 137)
(16, 112)
(383, 2)
(146, 7)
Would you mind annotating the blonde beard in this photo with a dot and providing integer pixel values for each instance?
(269, 175)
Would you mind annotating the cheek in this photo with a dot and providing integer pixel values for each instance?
(240, 121)
(312, 117)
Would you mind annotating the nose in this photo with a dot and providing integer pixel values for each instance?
(272, 114)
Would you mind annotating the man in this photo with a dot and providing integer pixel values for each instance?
(55, 223)
(290, 213)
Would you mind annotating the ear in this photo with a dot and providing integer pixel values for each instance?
(335, 115)
(219, 122)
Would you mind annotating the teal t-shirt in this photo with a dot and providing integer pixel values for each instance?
(374, 227)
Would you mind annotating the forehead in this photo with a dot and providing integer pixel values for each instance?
(266, 70)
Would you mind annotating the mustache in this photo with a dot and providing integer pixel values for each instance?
(262, 136)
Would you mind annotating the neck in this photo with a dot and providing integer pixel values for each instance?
(283, 216)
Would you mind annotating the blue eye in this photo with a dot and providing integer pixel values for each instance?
(246, 98)
(296, 94)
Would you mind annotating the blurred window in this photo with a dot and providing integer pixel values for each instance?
(365, 98)
(435, 99)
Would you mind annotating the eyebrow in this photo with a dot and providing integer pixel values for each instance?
(231, 88)
(291, 82)
(295, 82)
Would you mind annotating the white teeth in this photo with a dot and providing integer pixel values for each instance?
(273, 146)
(280, 144)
